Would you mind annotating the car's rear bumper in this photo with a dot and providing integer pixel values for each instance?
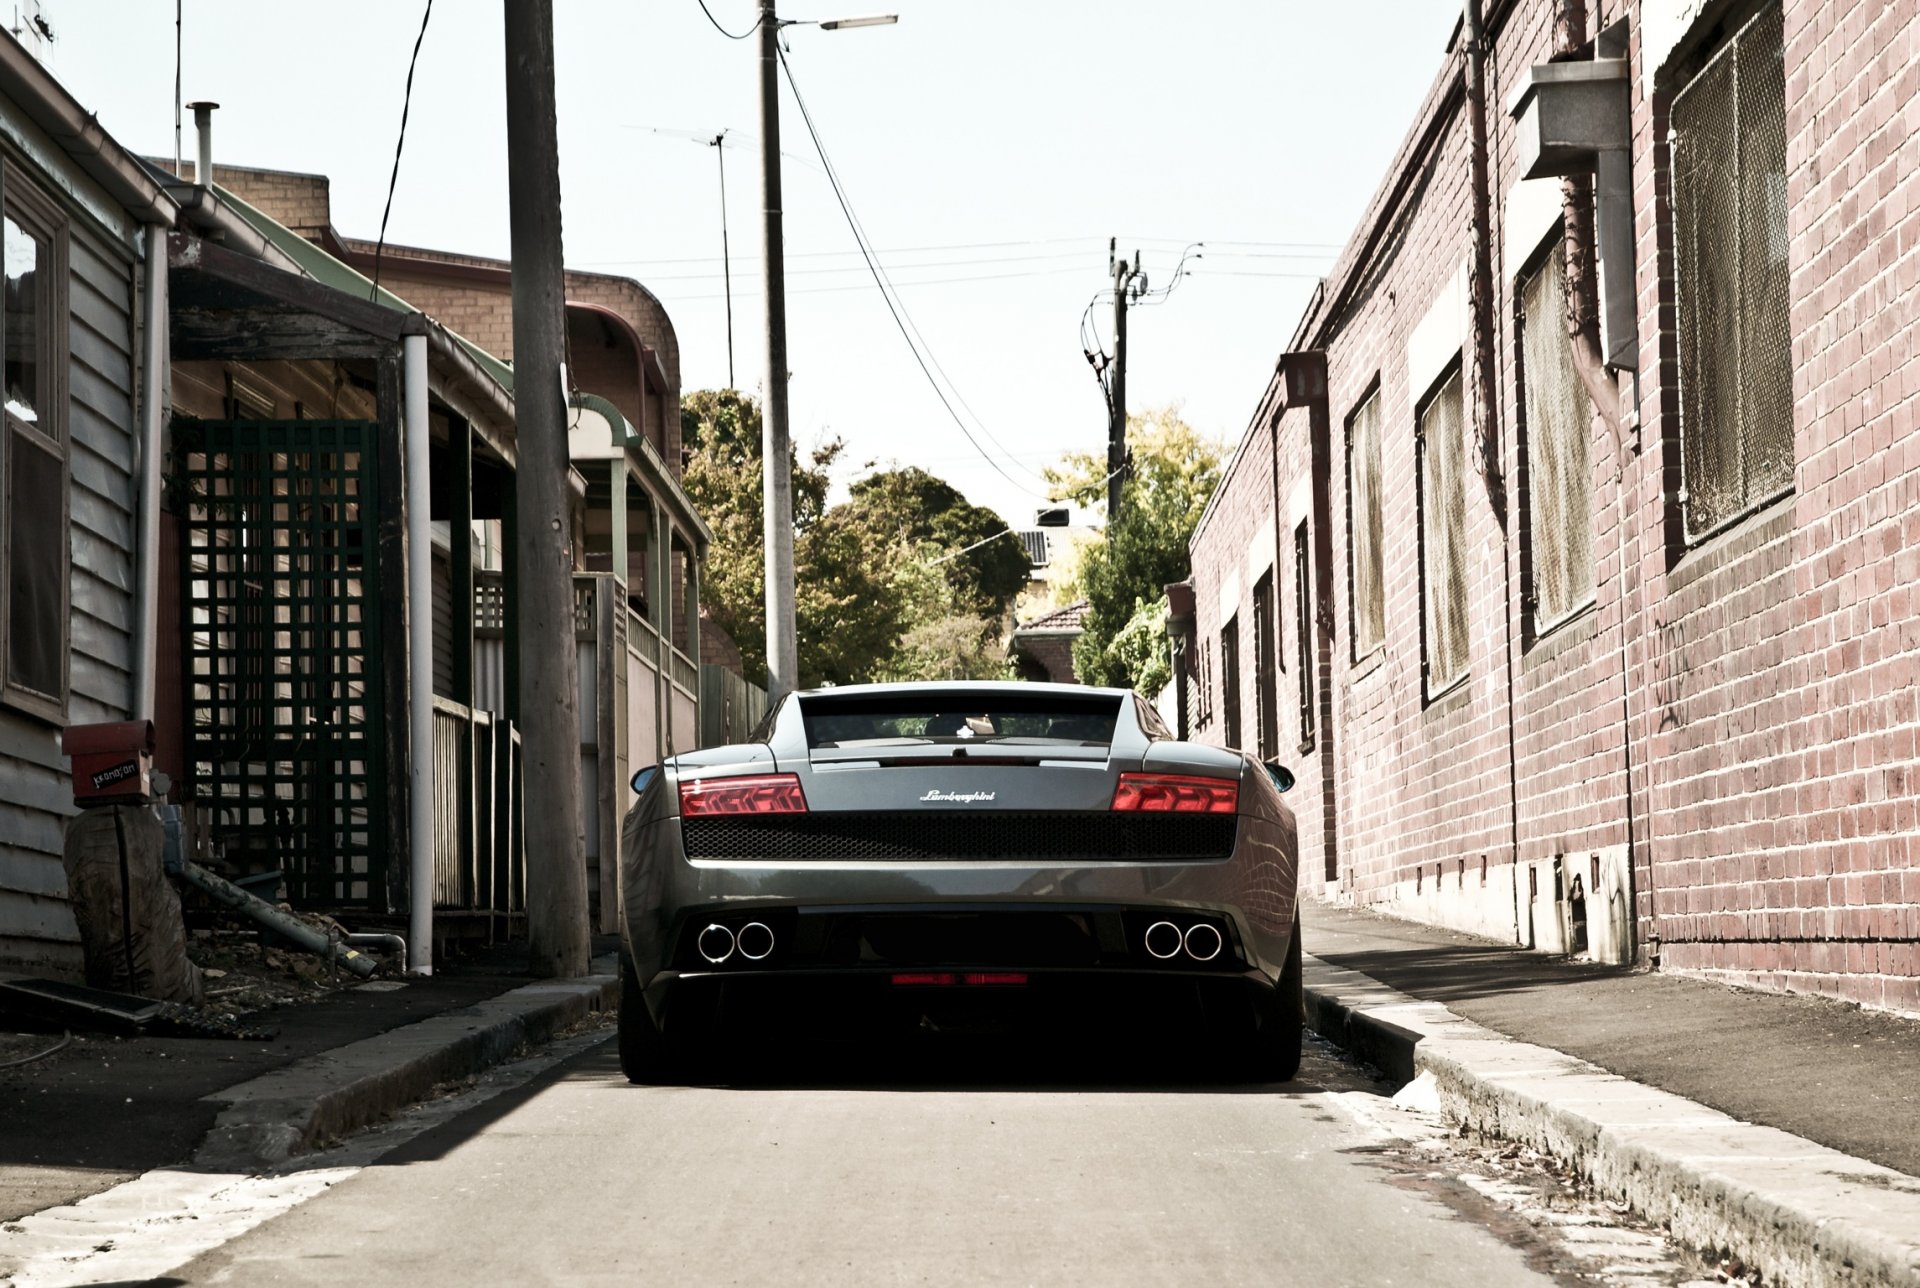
(850, 1002)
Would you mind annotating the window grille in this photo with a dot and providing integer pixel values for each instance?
(1365, 534)
(1559, 471)
(1266, 665)
(1230, 679)
(1303, 629)
(1730, 246)
(1443, 515)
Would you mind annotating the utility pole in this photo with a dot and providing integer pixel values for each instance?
(549, 725)
(1123, 275)
(719, 146)
(783, 663)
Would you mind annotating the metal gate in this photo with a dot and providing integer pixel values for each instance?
(285, 700)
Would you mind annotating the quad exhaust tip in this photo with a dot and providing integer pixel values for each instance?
(1203, 942)
(716, 943)
(755, 941)
(1163, 940)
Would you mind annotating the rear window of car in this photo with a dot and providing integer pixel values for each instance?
(958, 716)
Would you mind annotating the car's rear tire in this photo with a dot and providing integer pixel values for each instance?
(1272, 1053)
(646, 1055)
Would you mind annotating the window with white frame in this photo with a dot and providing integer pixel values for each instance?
(1441, 439)
(34, 541)
(1728, 151)
(1559, 421)
(1366, 538)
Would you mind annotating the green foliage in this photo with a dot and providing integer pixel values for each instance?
(1139, 651)
(913, 507)
(1175, 470)
(721, 430)
(876, 596)
(942, 640)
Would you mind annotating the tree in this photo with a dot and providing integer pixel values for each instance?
(722, 433)
(912, 507)
(941, 639)
(1174, 471)
(880, 591)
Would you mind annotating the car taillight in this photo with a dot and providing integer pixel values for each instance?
(764, 794)
(1176, 794)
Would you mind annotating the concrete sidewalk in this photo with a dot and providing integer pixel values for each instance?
(1784, 1129)
(101, 1110)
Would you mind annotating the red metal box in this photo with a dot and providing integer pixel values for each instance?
(110, 761)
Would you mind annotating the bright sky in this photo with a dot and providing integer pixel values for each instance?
(989, 149)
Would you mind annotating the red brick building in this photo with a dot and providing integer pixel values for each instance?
(1569, 557)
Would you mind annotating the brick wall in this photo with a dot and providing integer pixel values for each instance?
(1721, 747)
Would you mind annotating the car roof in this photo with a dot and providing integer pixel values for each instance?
(980, 686)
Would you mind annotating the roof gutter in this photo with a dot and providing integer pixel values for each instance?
(78, 132)
(207, 214)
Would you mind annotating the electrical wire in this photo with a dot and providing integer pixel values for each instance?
(65, 1038)
(916, 341)
(924, 281)
(393, 180)
(951, 555)
(722, 30)
(885, 294)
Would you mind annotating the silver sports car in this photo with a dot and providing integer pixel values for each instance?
(956, 854)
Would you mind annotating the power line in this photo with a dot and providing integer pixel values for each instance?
(393, 180)
(885, 294)
(925, 281)
(722, 30)
(856, 268)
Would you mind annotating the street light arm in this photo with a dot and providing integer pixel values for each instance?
(847, 24)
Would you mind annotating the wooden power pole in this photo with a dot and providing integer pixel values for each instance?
(549, 725)
(1123, 275)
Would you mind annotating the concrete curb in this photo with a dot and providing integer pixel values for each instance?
(288, 1111)
(1798, 1211)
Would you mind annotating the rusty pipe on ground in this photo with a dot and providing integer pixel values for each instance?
(280, 923)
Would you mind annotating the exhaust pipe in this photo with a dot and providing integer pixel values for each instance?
(1162, 940)
(1203, 942)
(755, 941)
(715, 943)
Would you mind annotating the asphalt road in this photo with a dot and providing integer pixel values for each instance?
(917, 1163)
(929, 1173)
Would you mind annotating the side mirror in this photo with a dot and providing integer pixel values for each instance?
(641, 777)
(1282, 777)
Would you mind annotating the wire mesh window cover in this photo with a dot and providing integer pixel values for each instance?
(280, 611)
(1266, 665)
(1303, 628)
(1730, 243)
(1366, 542)
(1559, 472)
(1443, 543)
(1230, 680)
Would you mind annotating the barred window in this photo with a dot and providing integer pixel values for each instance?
(1559, 496)
(1303, 629)
(1443, 535)
(1266, 665)
(1730, 246)
(1230, 680)
(1365, 537)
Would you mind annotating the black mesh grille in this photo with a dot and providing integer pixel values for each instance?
(1042, 836)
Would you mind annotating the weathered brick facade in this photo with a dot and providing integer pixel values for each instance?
(1709, 764)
